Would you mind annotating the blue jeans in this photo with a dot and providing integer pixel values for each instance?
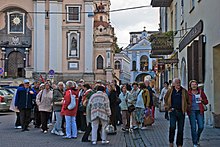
(71, 129)
(196, 117)
(57, 125)
(179, 118)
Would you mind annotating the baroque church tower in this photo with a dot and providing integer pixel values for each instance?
(104, 41)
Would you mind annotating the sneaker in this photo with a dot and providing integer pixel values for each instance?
(66, 137)
(94, 143)
(56, 132)
(61, 133)
(74, 137)
(105, 142)
(194, 145)
(53, 131)
(143, 128)
(45, 132)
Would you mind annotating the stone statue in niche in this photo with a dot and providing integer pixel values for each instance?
(73, 47)
(100, 8)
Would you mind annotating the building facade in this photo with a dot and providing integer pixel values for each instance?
(122, 67)
(37, 36)
(197, 43)
(142, 65)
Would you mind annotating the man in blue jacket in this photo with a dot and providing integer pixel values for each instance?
(24, 102)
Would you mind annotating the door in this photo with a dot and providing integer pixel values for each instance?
(15, 64)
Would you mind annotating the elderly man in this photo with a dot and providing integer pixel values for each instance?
(177, 103)
(24, 102)
(99, 108)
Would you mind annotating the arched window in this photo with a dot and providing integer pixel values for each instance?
(144, 63)
(117, 65)
(99, 62)
(101, 18)
(134, 67)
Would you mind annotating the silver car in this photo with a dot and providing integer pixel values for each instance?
(5, 99)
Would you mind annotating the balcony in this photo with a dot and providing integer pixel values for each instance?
(161, 3)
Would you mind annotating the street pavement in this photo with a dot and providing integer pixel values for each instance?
(154, 136)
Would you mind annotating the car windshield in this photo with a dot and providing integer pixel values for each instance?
(4, 92)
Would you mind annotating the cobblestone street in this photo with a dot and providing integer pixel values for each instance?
(154, 136)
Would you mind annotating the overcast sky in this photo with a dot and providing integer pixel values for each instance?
(132, 20)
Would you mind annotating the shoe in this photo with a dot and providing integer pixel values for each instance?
(18, 127)
(45, 132)
(74, 137)
(123, 129)
(94, 143)
(195, 145)
(60, 133)
(56, 132)
(105, 142)
(171, 144)
(52, 131)
(143, 128)
(135, 127)
(66, 137)
(22, 130)
(81, 132)
(27, 129)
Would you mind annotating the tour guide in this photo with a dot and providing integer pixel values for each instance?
(177, 103)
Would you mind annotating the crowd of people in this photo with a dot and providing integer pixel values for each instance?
(98, 108)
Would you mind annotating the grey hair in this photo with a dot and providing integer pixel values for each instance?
(61, 83)
(176, 79)
(69, 84)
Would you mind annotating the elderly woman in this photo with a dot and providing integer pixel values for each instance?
(44, 102)
(58, 97)
(70, 114)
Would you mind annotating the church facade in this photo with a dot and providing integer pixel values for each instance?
(138, 51)
(72, 38)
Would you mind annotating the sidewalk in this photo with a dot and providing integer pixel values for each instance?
(153, 136)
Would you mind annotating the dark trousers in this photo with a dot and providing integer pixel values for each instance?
(179, 118)
(81, 121)
(18, 120)
(113, 119)
(37, 117)
(118, 114)
(25, 117)
(44, 119)
(88, 131)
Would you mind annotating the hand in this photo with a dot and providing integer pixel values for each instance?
(31, 92)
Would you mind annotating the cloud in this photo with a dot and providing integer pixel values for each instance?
(132, 20)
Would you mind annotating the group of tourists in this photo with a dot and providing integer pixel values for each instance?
(98, 108)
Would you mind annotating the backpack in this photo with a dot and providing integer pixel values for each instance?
(72, 104)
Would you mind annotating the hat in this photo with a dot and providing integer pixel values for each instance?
(42, 85)
(26, 81)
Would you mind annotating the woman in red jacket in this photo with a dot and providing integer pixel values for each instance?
(70, 115)
(196, 114)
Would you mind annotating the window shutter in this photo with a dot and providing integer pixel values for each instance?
(201, 59)
(195, 69)
(189, 62)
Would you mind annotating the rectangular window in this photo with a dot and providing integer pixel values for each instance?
(73, 13)
(16, 22)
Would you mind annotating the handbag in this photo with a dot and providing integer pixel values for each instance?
(109, 129)
(205, 107)
(131, 108)
(72, 104)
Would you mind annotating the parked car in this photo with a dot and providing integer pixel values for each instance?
(5, 99)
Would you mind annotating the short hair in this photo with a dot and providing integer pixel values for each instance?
(190, 83)
(142, 85)
(87, 86)
(175, 79)
(101, 88)
(69, 83)
(166, 83)
(128, 87)
(135, 83)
